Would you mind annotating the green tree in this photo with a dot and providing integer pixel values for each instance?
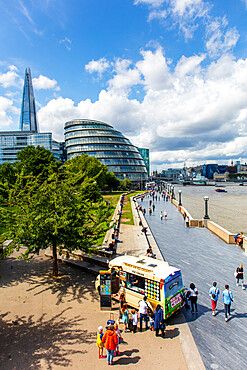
(38, 162)
(126, 184)
(56, 214)
(7, 173)
(86, 166)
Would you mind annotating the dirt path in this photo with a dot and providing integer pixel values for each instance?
(51, 324)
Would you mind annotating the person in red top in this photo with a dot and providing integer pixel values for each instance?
(111, 340)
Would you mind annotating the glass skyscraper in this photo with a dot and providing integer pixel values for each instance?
(109, 146)
(145, 156)
(11, 142)
(28, 120)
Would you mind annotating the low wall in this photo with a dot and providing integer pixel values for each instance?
(221, 232)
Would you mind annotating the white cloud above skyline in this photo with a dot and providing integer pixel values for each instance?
(175, 82)
(191, 113)
(43, 83)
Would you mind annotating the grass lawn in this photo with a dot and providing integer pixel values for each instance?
(127, 211)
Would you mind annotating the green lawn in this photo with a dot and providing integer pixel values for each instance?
(127, 207)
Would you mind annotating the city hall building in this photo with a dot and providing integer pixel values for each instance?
(109, 146)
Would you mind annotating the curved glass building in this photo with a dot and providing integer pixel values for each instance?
(110, 147)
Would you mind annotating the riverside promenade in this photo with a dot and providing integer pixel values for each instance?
(48, 323)
(204, 258)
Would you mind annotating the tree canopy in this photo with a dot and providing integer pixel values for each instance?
(61, 208)
(38, 162)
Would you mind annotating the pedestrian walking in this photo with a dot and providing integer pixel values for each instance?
(159, 321)
(193, 293)
(111, 341)
(161, 215)
(143, 306)
(239, 274)
(153, 206)
(150, 211)
(214, 294)
(144, 211)
(227, 300)
(165, 215)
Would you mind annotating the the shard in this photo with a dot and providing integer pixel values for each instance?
(28, 120)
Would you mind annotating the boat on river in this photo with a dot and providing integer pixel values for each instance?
(221, 190)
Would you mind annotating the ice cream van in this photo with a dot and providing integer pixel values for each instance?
(140, 276)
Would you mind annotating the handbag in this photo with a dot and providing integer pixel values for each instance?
(235, 273)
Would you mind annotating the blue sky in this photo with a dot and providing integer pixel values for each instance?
(171, 75)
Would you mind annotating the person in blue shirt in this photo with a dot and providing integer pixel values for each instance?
(227, 300)
(214, 294)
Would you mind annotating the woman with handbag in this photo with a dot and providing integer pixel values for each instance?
(159, 321)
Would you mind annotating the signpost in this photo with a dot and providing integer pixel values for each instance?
(105, 291)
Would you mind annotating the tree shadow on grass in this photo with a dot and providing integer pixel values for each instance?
(72, 282)
(27, 343)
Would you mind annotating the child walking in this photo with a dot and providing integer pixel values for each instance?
(99, 341)
(134, 320)
(117, 331)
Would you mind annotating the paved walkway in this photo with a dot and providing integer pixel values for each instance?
(204, 258)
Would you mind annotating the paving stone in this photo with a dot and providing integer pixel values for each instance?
(204, 258)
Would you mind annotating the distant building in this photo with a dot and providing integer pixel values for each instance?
(11, 142)
(28, 121)
(232, 169)
(172, 173)
(242, 168)
(208, 170)
(221, 176)
(109, 146)
(145, 156)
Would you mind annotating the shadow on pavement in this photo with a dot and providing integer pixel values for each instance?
(72, 282)
(32, 343)
(127, 360)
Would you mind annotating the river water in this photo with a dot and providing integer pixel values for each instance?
(229, 209)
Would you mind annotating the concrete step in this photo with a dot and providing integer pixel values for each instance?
(90, 258)
(83, 265)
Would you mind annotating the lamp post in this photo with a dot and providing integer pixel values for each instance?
(206, 199)
(180, 198)
(173, 192)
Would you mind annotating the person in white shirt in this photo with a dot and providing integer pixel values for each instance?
(193, 297)
(143, 312)
(134, 320)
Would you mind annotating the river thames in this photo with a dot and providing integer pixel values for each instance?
(228, 209)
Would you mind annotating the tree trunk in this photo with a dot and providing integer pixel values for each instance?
(54, 258)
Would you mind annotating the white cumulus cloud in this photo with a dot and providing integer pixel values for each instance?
(6, 108)
(98, 66)
(187, 112)
(44, 83)
(10, 78)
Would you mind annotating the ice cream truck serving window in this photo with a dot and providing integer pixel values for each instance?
(173, 283)
(144, 286)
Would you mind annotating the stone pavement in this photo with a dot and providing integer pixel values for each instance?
(204, 258)
(134, 242)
